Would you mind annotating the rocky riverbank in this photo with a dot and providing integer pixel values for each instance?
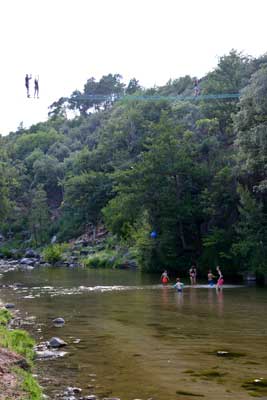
(16, 360)
(79, 253)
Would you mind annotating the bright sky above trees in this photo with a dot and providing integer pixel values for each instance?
(67, 41)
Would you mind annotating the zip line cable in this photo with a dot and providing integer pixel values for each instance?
(113, 97)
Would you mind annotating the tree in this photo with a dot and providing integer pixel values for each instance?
(4, 201)
(133, 86)
(47, 171)
(96, 96)
(251, 243)
(39, 216)
(229, 77)
(164, 185)
(251, 126)
(85, 196)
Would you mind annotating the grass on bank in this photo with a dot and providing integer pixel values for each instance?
(107, 258)
(5, 316)
(54, 252)
(102, 259)
(29, 384)
(20, 342)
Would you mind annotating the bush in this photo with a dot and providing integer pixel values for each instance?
(54, 253)
(18, 341)
(109, 259)
(5, 316)
(96, 262)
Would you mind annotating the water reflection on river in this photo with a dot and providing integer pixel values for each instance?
(142, 340)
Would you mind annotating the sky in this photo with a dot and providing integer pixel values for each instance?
(65, 42)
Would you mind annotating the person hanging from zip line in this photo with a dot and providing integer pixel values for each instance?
(27, 84)
(36, 87)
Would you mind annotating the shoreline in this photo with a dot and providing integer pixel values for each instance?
(16, 362)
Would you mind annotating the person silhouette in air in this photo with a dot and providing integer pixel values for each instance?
(36, 87)
(27, 84)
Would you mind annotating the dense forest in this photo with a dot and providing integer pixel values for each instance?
(192, 169)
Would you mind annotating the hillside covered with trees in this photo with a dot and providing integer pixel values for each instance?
(192, 169)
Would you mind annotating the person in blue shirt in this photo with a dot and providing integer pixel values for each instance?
(179, 285)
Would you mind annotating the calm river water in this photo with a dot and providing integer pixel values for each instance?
(139, 340)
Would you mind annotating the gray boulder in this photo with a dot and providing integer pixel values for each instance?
(59, 321)
(74, 265)
(73, 390)
(31, 254)
(56, 342)
(28, 261)
(61, 264)
(49, 354)
(9, 305)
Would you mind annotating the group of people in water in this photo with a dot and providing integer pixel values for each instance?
(193, 278)
(28, 77)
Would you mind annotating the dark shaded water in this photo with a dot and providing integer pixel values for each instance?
(140, 340)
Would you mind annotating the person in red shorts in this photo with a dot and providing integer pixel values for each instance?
(164, 277)
(220, 280)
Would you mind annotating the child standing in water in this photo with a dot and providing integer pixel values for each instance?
(164, 277)
(210, 278)
(179, 285)
(220, 280)
(193, 275)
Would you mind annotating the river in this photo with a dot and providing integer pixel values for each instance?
(139, 340)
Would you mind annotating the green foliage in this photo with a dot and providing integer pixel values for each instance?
(4, 191)
(5, 316)
(6, 251)
(21, 343)
(147, 253)
(54, 252)
(148, 164)
(97, 261)
(18, 341)
(29, 385)
(251, 124)
(251, 229)
(39, 216)
(85, 196)
(111, 256)
(27, 143)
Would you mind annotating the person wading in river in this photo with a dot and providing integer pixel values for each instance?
(164, 277)
(220, 280)
(193, 275)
